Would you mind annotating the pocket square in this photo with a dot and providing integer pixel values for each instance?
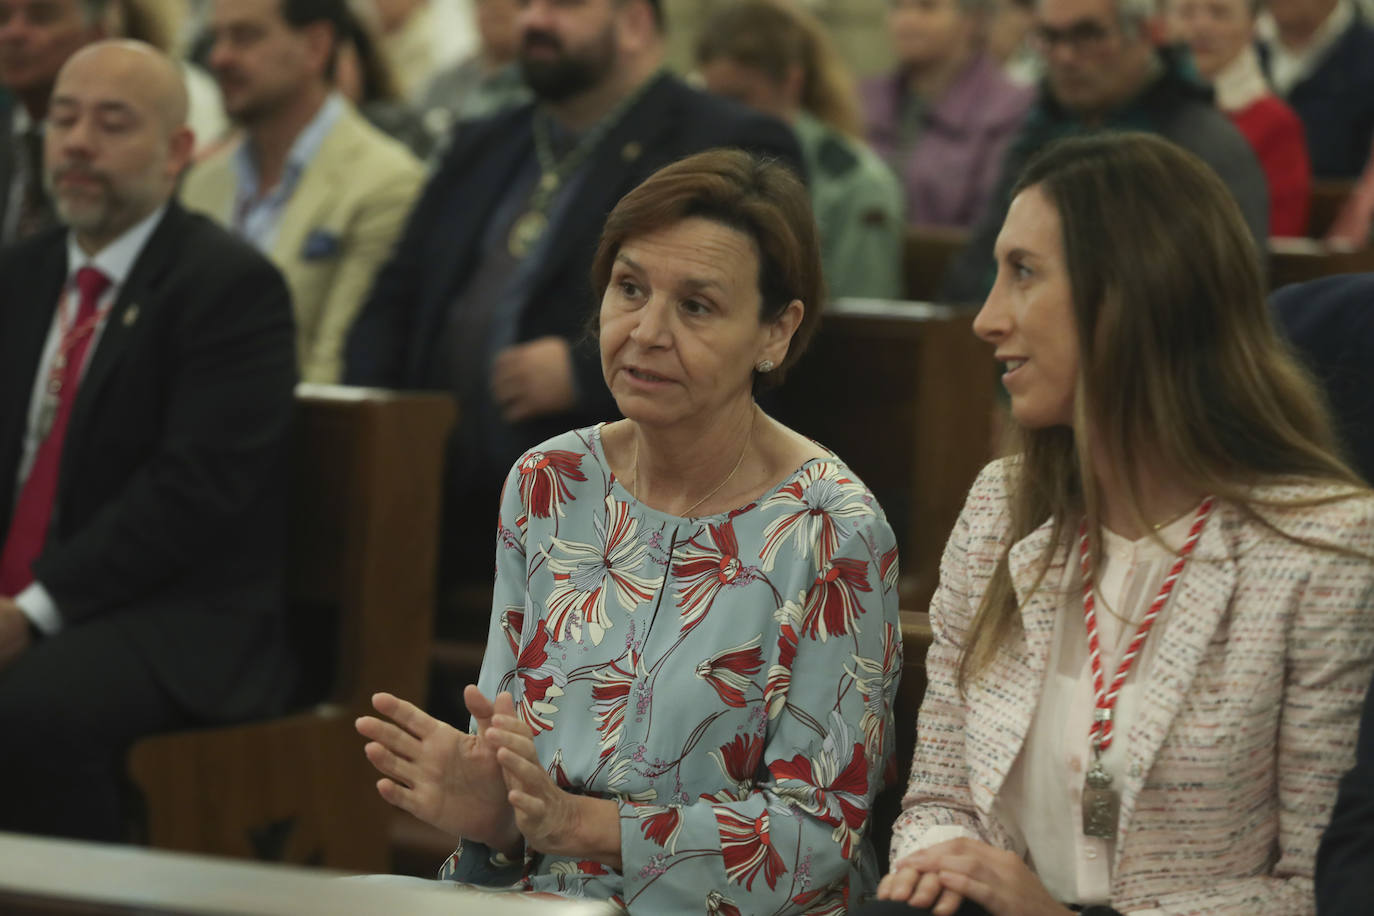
(320, 244)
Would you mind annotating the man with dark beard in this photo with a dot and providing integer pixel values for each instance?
(487, 294)
(146, 375)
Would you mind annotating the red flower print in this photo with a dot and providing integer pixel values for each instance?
(739, 760)
(542, 683)
(876, 680)
(789, 618)
(717, 904)
(556, 771)
(583, 574)
(731, 672)
(823, 901)
(888, 569)
(543, 482)
(705, 570)
(513, 625)
(833, 786)
(747, 849)
(814, 504)
(660, 824)
(611, 694)
(832, 599)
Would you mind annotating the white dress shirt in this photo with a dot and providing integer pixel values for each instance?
(115, 261)
(1290, 66)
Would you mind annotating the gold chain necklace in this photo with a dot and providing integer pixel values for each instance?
(687, 513)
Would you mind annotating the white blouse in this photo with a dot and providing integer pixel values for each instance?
(1041, 800)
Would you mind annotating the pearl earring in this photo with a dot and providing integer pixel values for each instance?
(765, 366)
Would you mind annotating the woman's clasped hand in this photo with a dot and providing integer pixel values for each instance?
(441, 775)
(942, 876)
(489, 787)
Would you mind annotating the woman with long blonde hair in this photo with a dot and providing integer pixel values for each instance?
(1153, 629)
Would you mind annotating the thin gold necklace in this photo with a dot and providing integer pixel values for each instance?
(687, 513)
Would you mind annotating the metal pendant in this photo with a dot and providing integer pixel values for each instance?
(526, 232)
(1101, 804)
(47, 413)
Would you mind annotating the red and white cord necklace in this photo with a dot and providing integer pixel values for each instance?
(1101, 802)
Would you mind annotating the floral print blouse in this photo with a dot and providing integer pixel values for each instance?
(727, 680)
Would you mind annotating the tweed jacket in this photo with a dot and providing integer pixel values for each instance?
(1248, 712)
(339, 226)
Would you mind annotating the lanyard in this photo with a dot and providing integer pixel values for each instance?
(1100, 734)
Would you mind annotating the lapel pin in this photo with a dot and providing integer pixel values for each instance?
(630, 151)
(131, 315)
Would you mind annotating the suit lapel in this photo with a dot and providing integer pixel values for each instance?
(1004, 699)
(136, 296)
(315, 194)
(612, 170)
(7, 163)
(1202, 597)
(26, 317)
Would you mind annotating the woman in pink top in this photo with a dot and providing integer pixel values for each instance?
(945, 117)
(1221, 36)
(1155, 622)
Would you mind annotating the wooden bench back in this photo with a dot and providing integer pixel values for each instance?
(904, 393)
(926, 256)
(365, 497)
(366, 492)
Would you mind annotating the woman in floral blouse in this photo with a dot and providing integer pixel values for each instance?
(685, 704)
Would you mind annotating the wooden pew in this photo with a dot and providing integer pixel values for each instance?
(926, 256)
(1325, 203)
(364, 523)
(916, 640)
(1300, 260)
(904, 393)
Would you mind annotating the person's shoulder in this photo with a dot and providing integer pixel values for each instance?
(1320, 512)
(374, 156)
(713, 118)
(569, 450)
(201, 245)
(23, 254)
(993, 99)
(1318, 301)
(1271, 118)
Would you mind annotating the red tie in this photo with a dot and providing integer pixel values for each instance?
(33, 511)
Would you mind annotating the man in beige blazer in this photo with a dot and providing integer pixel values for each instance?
(310, 183)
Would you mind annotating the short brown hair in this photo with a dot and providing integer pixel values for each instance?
(759, 197)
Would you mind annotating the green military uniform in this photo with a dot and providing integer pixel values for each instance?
(858, 205)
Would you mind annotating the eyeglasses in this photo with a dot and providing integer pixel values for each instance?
(1082, 36)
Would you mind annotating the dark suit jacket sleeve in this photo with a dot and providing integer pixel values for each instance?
(230, 369)
(378, 344)
(1345, 860)
(1331, 322)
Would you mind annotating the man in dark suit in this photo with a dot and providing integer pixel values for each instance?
(1331, 322)
(146, 379)
(1319, 57)
(487, 294)
(36, 38)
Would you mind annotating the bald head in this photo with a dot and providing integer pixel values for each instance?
(117, 138)
(135, 69)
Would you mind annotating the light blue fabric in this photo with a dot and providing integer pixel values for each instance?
(258, 219)
(728, 680)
